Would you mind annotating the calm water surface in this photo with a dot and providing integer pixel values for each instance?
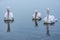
(23, 28)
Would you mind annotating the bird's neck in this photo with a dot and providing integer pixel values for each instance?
(36, 14)
(47, 16)
(48, 13)
(8, 13)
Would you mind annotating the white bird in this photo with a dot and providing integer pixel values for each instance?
(36, 15)
(8, 15)
(49, 18)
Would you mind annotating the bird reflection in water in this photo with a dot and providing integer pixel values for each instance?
(8, 22)
(47, 28)
(36, 21)
(8, 29)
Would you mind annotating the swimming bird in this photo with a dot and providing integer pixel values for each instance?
(8, 15)
(50, 19)
(36, 15)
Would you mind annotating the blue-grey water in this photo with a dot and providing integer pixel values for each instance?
(23, 28)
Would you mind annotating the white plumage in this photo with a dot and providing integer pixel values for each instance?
(8, 15)
(49, 18)
(36, 16)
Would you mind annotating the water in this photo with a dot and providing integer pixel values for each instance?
(23, 28)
